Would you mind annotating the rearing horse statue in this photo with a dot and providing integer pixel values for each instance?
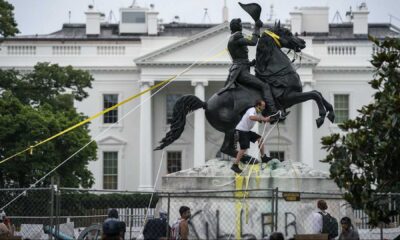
(224, 111)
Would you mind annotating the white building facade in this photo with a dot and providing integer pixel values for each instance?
(139, 52)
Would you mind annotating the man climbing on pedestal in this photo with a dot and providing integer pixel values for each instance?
(243, 129)
(240, 69)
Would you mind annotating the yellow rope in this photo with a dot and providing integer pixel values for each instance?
(30, 148)
(274, 36)
(241, 196)
(238, 204)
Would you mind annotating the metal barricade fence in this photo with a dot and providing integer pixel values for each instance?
(29, 212)
(65, 213)
(51, 213)
(225, 214)
(87, 207)
(298, 216)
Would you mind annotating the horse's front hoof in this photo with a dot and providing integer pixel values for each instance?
(319, 122)
(331, 116)
(283, 115)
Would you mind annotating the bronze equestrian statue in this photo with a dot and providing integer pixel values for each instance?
(239, 72)
(274, 67)
(225, 108)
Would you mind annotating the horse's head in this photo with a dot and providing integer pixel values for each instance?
(287, 39)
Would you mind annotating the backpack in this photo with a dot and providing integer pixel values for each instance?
(155, 228)
(175, 230)
(329, 225)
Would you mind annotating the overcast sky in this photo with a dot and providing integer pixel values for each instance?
(46, 16)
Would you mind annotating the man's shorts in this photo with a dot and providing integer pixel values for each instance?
(246, 137)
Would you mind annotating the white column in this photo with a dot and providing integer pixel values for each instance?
(306, 130)
(146, 151)
(199, 126)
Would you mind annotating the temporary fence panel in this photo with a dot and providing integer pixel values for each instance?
(43, 213)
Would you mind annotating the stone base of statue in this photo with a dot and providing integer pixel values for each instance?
(217, 175)
(219, 212)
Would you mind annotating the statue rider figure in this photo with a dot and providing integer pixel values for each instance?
(240, 69)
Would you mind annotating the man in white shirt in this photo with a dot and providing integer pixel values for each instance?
(246, 136)
(316, 224)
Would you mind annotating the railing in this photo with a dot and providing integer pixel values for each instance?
(21, 50)
(341, 50)
(66, 50)
(110, 50)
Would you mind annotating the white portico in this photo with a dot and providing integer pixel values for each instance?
(196, 74)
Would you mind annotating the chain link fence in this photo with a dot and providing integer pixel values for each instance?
(63, 213)
(225, 214)
(30, 212)
(52, 213)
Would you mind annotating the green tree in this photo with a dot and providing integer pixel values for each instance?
(35, 106)
(8, 26)
(365, 159)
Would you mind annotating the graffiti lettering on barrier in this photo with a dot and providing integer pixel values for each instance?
(206, 231)
(290, 224)
(266, 221)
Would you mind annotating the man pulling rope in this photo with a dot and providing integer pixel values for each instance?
(243, 129)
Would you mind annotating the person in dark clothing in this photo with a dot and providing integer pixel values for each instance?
(348, 230)
(239, 72)
(156, 228)
(276, 236)
(113, 228)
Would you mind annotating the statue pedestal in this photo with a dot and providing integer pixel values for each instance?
(217, 175)
(249, 215)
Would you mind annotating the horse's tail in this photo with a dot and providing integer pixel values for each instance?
(182, 107)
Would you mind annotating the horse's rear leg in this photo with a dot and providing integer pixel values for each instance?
(228, 147)
(328, 107)
(293, 98)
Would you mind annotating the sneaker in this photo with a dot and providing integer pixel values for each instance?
(265, 158)
(236, 168)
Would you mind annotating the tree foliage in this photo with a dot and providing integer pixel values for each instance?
(35, 106)
(365, 160)
(8, 26)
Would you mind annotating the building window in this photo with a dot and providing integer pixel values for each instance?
(174, 161)
(133, 17)
(280, 155)
(171, 100)
(341, 107)
(110, 100)
(110, 170)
